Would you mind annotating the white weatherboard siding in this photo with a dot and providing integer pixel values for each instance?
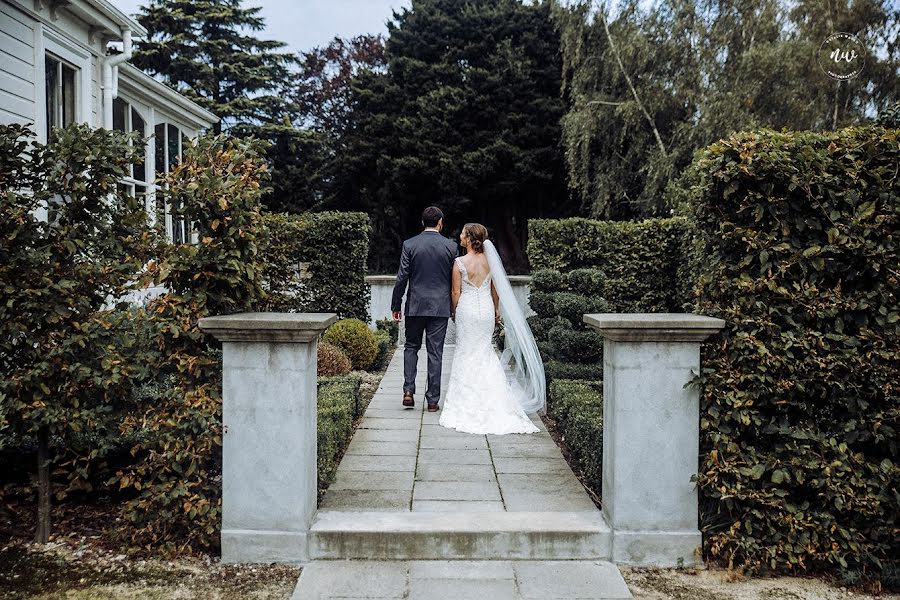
(17, 73)
(77, 32)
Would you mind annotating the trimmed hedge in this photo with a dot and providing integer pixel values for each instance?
(338, 406)
(316, 262)
(800, 410)
(577, 408)
(555, 369)
(383, 341)
(584, 266)
(639, 259)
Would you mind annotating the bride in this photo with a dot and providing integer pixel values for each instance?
(488, 394)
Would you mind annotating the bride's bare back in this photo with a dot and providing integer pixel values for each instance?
(476, 265)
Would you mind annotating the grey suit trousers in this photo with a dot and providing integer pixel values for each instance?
(435, 330)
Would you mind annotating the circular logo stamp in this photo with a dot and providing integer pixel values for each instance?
(841, 56)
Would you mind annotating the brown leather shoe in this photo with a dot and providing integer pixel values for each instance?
(408, 400)
(433, 407)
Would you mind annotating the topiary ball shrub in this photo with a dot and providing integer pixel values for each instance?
(332, 361)
(391, 326)
(356, 340)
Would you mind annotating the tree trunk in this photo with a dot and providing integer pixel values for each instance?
(834, 120)
(43, 521)
(637, 99)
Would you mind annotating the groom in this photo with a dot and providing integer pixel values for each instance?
(426, 264)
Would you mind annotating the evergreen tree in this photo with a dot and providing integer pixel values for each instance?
(466, 117)
(206, 50)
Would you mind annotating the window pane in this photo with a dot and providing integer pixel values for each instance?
(140, 192)
(174, 146)
(160, 198)
(68, 95)
(51, 74)
(178, 227)
(159, 134)
(119, 110)
(137, 126)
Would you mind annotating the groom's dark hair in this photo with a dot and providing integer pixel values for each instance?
(431, 216)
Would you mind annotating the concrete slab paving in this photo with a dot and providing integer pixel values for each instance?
(378, 463)
(570, 579)
(462, 589)
(366, 500)
(456, 490)
(461, 580)
(437, 472)
(387, 435)
(533, 476)
(381, 480)
(423, 511)
(366, 448)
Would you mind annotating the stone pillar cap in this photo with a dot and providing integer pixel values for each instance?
(267, 326)
(656, 327)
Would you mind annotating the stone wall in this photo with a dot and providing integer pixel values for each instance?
(382, 287)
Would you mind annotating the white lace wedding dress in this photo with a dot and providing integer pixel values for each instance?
(480, 397)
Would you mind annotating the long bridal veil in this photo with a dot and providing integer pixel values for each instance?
(520, 354)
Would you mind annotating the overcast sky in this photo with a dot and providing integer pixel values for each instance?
(305, 24)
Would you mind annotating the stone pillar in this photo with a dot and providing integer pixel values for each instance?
(651, 431)
(269, 440)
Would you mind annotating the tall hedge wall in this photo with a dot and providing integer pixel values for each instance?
(799, 241)
(316, 262)
(584, 266)
(639, 259)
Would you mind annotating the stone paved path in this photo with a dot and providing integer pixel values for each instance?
(418, 511)
(461, 580)
(403, 460)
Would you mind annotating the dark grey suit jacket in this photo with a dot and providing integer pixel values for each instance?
(426, 264)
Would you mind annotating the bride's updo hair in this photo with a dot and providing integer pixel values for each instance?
(476, 234)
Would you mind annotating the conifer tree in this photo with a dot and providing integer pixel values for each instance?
(466, 116)
(207, 50)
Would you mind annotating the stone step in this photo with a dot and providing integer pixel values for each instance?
(582, 535)
(460, 580)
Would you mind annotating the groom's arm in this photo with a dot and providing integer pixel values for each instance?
(402, 281)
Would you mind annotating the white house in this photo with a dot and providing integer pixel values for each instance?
(55, 70)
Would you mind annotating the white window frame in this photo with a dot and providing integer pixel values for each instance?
(190, 236)
(129, 181)
(76, 56)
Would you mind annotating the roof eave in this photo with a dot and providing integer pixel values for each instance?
(130, 74)
(104, 15)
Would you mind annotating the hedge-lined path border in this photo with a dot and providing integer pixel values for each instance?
(402, 460)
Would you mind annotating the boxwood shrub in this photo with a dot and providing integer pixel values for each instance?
(638, 260)
(584, 266)
(383, 341)
(391, 326)
(557, 369)
(338, 406)
(799, 241)
(577, 408)
(575, 345)
(356, 340)
(316, 262)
